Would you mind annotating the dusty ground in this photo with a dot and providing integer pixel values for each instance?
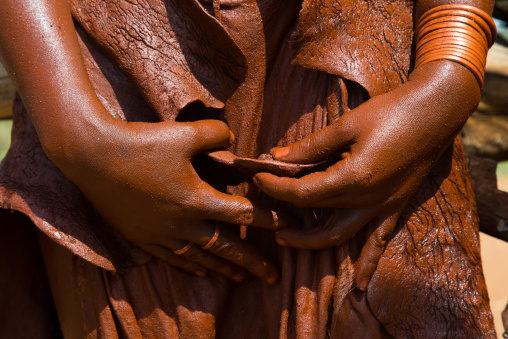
(6, 94)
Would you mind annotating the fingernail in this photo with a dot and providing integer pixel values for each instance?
(238, 277)
(256, 181)
(363, 285)
(280, 241)
(270, 279)
(280, 152)
(231, 137)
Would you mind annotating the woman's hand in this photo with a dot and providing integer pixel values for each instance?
(140, 178)
(138, 175)
(388, 145)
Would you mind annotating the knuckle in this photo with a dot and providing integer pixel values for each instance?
(362, 176)
(303, 196)
(194, 202)
(188, 131)
(335, 240)
(244, 215)
(230, 251)
(379, 241)
(304, 145)
(195, 256)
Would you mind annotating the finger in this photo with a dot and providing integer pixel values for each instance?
(241, 211)
(211, 262)
(355, 201)
(237, 251)
(172, 259)
(373, 250)
(209, 134)
(188, 249)
(339, 227)
(319, 145)
(309, 189)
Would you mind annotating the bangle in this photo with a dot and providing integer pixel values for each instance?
(460, 33)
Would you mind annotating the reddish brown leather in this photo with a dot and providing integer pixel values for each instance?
(339, 38)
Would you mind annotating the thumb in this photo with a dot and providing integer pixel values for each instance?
(317, 146)
(209, 134)
(373, 250)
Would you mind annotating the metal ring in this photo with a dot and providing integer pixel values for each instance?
(213, 240)
(184, 249)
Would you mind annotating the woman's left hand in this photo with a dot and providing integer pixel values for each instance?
(388, 145)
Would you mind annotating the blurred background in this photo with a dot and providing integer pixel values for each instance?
(486, 135)
(485, 142)
(7, 91)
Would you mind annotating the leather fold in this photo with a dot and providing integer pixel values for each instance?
(174, 51)
(356, 41)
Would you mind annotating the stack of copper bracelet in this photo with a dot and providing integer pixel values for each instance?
(461, 33)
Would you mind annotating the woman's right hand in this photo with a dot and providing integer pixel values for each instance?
(140, 178)
(138, 175)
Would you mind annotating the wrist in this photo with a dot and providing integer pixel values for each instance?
(429, 109)
(448, 90)
(69, 138)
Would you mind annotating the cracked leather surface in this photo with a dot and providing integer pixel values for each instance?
(365, 41)
(174, 52)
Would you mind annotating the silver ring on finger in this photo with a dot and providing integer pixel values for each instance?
(213, 239)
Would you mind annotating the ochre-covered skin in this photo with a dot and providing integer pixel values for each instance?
(109, 161)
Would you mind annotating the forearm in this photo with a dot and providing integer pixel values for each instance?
(444, 92)
(434, 104)
(460, 81)
(39, 48)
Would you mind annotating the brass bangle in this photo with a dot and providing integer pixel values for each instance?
(463, 48)
(457, 41)
(460, 33)
(451, 36)
(457, 29)
(459, 59)
(452, 52)
(458, 22)
(456, 8)
(461, 16)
